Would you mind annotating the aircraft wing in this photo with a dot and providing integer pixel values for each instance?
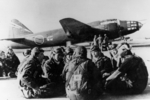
(79, 30)
(13, 39)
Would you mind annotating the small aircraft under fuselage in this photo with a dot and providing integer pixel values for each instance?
(74, 31)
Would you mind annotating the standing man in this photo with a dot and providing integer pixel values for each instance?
(105, 43)
(100, 40)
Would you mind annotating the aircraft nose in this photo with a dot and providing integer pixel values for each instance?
(139, 25)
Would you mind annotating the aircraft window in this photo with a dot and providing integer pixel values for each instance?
(108, 21)
(133, 24)
(133, 28)
(129, 28)
(114, 21)
(128, 22)
(128, 25)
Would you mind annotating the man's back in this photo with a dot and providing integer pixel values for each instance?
(82, 77)
(133, 66)
(136, 70)
(31, 70)
(131, 77)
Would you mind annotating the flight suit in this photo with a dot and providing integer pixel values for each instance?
(31, 72)
(20, 65)
(131, 77)
(68, 52)
(29, 77)
(93, 85)
(43, 62)
(53, 70)
(12, 64)
(105, 68)
(2, 67)
(104, 65)
(82, 77)
(65, 67)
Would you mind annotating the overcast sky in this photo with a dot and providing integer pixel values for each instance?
(42, 15)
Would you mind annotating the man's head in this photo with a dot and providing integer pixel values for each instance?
(95, 51)
(10, 51)
(124, 49)
(68, 53)
(2, 54)
(27, 52)
(37, 52)
(80, 52)
(58, 54)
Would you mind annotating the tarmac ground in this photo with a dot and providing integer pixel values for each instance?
(9, 91)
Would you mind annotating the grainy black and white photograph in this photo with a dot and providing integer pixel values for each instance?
(74, 49)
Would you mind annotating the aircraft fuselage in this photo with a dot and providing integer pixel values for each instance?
(113, 28)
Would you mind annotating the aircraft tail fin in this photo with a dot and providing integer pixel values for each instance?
(18, 30)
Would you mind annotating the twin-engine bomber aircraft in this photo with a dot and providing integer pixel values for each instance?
(74, 31)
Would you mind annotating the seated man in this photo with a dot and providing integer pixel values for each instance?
(82, 81)
(26, 54)
(68, 58)
(53, 68)
(12, 62)
(29, 77)
(102, 62)
(3, 68)
(131, 77)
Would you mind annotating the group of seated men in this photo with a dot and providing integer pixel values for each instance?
(71, 72)
(8, 63)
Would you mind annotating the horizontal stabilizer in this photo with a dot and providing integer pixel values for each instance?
(13, 39)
